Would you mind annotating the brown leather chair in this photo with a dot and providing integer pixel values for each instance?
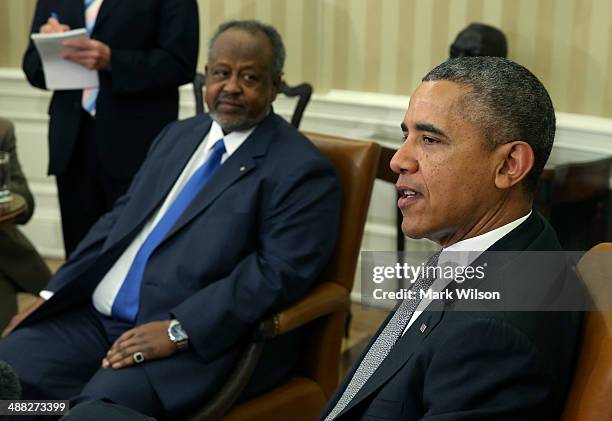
(385, 174)
(303, 91)
(590, 395)
(324, 308)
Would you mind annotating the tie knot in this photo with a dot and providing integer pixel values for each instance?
(219, 147)
(433, 259)
(432, 262)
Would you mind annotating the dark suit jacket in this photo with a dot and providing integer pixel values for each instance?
(20, 264)
(252, 241)
(154, 50)
(467, 365)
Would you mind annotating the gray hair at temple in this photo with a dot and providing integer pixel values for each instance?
(506, 101)
(253, 26)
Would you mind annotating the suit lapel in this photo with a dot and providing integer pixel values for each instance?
(529, 233)
(344, 383)
(175, 164)
(73, 14)
(524, 236)
(401, 352)
(342, 386)
(242, 162)
(158, 181)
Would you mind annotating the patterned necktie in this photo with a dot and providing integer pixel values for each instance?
(88, 99)
(125, 306)
(385, 341)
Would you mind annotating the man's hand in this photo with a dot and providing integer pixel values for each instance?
(53, 25)
(89, 53)
(150, 339)
(18, 318)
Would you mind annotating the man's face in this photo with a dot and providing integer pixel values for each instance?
(446, 174)
(239, 83)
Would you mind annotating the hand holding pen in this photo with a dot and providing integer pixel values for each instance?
(53, 25)
(89, 53)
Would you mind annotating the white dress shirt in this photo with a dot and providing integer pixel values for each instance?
(106, 291)
(463, 253)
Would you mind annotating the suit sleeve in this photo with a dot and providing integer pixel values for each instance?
(499, 375)
(172, 63)
(32, 66)
(297, 236)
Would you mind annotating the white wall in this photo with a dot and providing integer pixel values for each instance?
(351, 114)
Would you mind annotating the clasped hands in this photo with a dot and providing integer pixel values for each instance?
(89, 53)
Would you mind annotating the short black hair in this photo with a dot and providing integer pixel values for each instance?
(254, 26)
(506, 101)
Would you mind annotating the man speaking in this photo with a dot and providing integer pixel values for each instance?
(477, 134)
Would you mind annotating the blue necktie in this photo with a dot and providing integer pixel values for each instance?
(125, 306)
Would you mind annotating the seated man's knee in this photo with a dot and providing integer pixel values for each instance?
(129, 387)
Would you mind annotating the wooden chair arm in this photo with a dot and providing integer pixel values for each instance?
(326, 298)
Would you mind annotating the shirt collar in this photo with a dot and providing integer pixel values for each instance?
(232, 140)
(466, 251)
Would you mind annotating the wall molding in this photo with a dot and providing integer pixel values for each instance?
(359, 115)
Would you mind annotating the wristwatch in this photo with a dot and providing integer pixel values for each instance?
(177, 334)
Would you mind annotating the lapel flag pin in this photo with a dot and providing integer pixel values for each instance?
(423, 328)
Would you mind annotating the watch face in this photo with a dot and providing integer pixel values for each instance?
(177, 332)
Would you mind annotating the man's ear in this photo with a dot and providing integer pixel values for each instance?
(276, 85)
(516, 161)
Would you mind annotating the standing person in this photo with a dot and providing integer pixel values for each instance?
(477, 134)
(21, 267)
(143, 51)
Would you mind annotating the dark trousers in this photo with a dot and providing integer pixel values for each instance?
(61, 358)
(86, 190)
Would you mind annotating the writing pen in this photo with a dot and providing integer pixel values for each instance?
(54, 16)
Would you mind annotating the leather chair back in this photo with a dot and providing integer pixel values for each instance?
(356, 163)
(316, 378)
(590, 394)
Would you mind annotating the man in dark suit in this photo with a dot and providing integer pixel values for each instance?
(178, 274)
(143, 51)
(21, 267)
(477, 134)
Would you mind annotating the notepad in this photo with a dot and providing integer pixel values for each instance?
(59, 73)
